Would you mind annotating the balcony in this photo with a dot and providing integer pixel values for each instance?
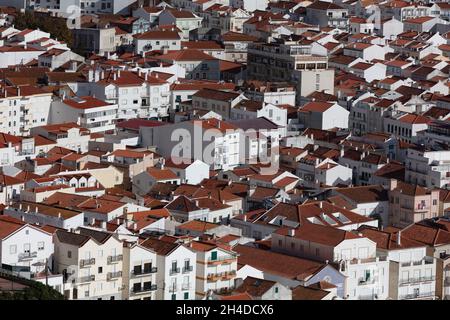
(114, 275)
(424, 261)
(222, 260)
(188, 269)
(27, 256)
(115, 259)
(416, 280)
(370, 280)
(86, 279)
(227, 275)
(144, 272)
(186, 286)
(141, 290)
(87, 262)
(413, 296)
(174, 271)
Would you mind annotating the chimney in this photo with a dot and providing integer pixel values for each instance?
(93, 221)
(103, 225)
(59, 215)
(245, 217)
(392, 184)
(22, 218)
(134, 226)
(399, 238)
(291, 232)
(36, 209)
(320, 205)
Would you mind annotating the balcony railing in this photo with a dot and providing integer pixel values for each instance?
(224, 259)
(364, 281)
(86, 279)
(87, 262)
(115, 259)
(421, 295)
(416, 280)
(27, 255)
(145, 271)
(425, 260)
(153, 287)
(114, 275)
(174, 271)
(188, 269)
(185, 286)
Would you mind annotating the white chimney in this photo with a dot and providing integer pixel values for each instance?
(103, 225)
(292, 232)
(399, 238)
(59, 215)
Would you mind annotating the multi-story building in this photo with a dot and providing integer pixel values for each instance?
(23, 108)
(412, 273)
(225, 147)
(176, 263)
(367, 272)
(25, 248)
(88, 112)
(411, 203)
(428, 167)
(91, 263)
(216, 268)
(327, 14)
(290, 61)
(139, 272)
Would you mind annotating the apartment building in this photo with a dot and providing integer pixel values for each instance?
(216, 268)
(368, 273)
(409, 203)
(185, 20)
(292, 61)
(327, 14)
(25, 248)
(225, 152)
(176, 271)
(137, 94)
(91, 263)
(23, 108)
(156, 40)
(412, 273)
(428, 167)
(88, 112)
(139, 272)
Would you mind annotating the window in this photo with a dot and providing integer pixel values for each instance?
(69, 254)
(41, 245)
(214, 255)
(137, 287)
(174, 297)
(276, 289)
(186, 295)
(100, 269)
(137, 269)
(13, 249)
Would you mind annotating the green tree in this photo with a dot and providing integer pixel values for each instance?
(57, 27)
